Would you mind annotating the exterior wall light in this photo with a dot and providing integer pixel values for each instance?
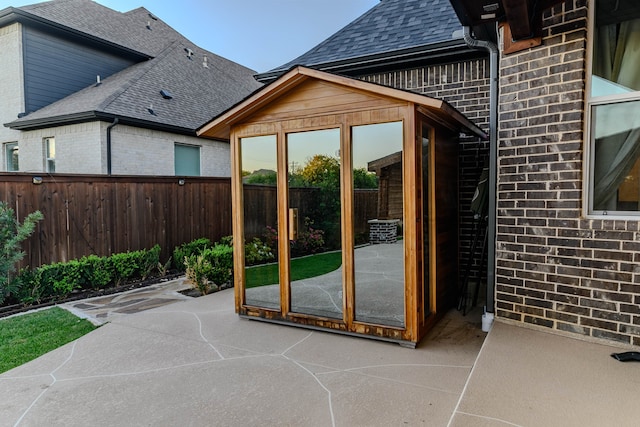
(181, 181)
(37, 180)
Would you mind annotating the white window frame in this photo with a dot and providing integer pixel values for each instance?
(49, 160)
(5, 149)
(591, 103)
(194, 146)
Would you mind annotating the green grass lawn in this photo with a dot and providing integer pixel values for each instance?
(301, 268)
(24, 338)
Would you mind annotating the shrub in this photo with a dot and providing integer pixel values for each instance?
(89, 272)
(257, 252)
(197, 268)
(97, 272)
(221, 260)
(186, 250)
(310, 240)
(12, 234)
(213, 266)
(59, 279)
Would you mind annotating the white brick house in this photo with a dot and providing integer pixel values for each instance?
(104, 92)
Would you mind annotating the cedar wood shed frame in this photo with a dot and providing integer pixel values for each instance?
(303, 100)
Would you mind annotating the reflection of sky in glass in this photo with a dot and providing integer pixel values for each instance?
(304, 145)
(375, 141)
(259, 152)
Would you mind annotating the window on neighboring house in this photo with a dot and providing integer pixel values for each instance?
(11, 157)
(614, 109)
(187, 160)
(50, 155)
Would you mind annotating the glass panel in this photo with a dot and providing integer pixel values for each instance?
(616, 56)
(187, 160)
(50, 160)
(314, 222)
(260, 194)
(616, 170)
(426, 131)
(11, 154)
(379, 258)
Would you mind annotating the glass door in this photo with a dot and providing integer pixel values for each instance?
(315, 231)
(379, 254)
(260, 200)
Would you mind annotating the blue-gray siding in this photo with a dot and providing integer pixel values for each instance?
(55, 67)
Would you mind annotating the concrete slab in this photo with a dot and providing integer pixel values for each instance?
(526, 377)
(196, 362)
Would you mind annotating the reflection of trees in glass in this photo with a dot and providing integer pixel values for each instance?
(364, 179)
(322, 172)
(261, 176)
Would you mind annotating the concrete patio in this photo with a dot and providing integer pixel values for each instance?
(195, 362)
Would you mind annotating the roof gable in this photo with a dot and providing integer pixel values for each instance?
(293, 95)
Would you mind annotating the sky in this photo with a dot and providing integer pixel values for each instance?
(259, 34)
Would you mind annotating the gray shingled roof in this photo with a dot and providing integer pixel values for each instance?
(199, 92)
(125, 29)
(389, 26)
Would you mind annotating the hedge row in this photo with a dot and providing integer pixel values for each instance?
(87, 273)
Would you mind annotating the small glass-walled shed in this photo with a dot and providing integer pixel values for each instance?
(345, 195)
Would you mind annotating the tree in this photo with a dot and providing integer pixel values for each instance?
(364, 179)
(12, 234)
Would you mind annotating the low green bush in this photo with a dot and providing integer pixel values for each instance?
(186, 250)
(90, 272)
(212, 266)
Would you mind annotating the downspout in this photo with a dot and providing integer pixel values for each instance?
(111, 126)
(492, 48)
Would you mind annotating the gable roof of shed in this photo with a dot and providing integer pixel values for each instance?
(438, 110)
(129, 95)
(390, 26)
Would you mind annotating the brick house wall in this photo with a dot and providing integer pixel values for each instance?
(82, 149)
(11, 86)
(556, 268)
(465, 85)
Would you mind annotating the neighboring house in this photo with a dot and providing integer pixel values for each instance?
(90, 90)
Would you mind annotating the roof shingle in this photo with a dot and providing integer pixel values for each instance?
(389, 26)
(199, 92)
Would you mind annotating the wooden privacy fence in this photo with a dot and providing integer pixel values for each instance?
(102, 215)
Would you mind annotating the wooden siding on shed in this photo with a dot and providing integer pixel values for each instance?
(54, 67)
(317, 98)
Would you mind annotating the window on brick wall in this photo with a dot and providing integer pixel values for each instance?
(614, 109)
(49, 154)
(11, 157)
(187, 160)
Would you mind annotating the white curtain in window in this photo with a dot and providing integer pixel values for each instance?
(617, 59)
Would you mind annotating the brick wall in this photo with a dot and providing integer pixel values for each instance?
(465, 85)
(81, 148)
(556, 268)
(11, 86)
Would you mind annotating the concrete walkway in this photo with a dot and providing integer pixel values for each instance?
(195, 362)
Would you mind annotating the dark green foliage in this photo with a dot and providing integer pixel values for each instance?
(97, 272)
(211, 266)
(12, 234)
(364, 179)
(90, 272)
(188, 249)
(221, 259)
